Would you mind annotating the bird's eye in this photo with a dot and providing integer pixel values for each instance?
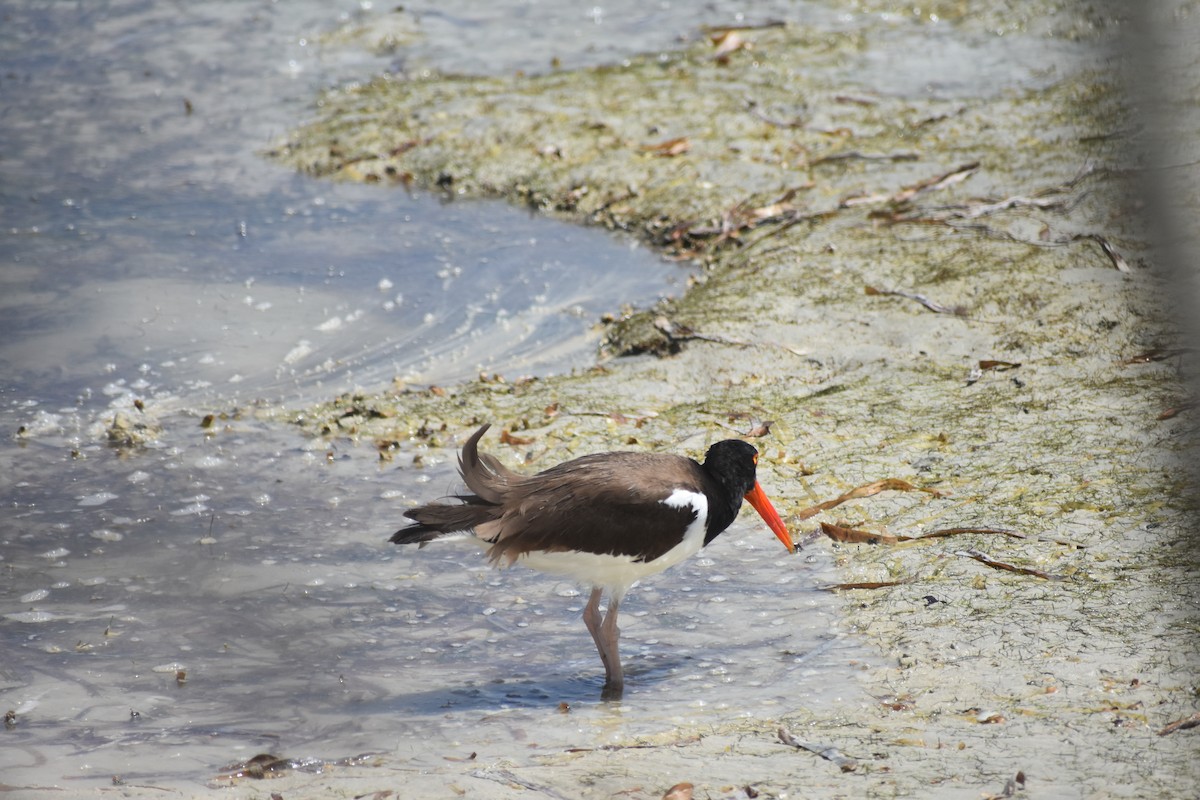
(754, 458)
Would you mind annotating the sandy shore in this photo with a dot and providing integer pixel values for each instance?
(959, 293)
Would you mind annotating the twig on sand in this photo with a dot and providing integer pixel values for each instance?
(983, 558)
(510, 778)
(832, 754)
(937, 308)
(1181, 724)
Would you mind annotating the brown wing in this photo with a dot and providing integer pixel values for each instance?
(608, 503)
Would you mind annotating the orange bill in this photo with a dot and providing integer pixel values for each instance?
(758, 498)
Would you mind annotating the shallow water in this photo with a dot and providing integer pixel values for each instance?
(224, 591)
(300, 632)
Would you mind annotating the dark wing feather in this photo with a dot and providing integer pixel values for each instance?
(606, 503)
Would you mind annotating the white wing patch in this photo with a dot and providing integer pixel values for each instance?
(698, 503)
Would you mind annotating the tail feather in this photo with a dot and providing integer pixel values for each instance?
(485, 476)
(483, 473)
(415, 534)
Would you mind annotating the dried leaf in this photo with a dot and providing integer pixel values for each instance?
(680, 791)
(867, 490)
(958, 311)
(779, 208)
(903, 703)
(761, 429)
(937, 182)
(263, 765)
(794, 122)
(1157, 354)
(861, 200)
(403, 147)
(772, 210)
(855, 100)
(727, 43)
(1115, 257)
(845, 763)
(983, 558)
(998, 366)
(669, 148)
(672, 329)
(848, 155)
(855, 536)
(1176, 410)
(508, 438)
(743, 217)
(944, 532)
(833, 587)
(1181, 724)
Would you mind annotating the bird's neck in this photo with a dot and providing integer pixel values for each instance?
(723, 506)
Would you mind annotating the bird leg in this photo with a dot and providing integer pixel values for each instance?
(592, 618)
(616, 673)
(604, 633)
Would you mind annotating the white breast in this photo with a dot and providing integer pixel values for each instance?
(618, 573)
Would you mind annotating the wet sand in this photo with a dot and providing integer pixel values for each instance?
(959, 292)
(955, 290)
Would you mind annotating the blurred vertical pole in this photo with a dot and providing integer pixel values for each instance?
(1162, 53)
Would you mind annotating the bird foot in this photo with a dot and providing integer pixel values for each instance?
(612, 691)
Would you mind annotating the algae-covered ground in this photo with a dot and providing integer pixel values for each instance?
(957, 291)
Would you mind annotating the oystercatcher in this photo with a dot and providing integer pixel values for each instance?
(605, 520)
